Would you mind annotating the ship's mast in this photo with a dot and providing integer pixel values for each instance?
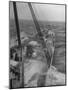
(19, 45)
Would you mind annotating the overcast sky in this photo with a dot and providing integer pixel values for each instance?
(44, 12)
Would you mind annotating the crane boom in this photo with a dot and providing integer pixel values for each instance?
(36, 25)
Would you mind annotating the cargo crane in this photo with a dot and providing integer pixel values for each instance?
(39, 32)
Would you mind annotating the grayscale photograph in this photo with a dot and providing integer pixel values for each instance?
(37, 44)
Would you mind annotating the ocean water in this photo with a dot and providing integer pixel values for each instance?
(59, 60)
